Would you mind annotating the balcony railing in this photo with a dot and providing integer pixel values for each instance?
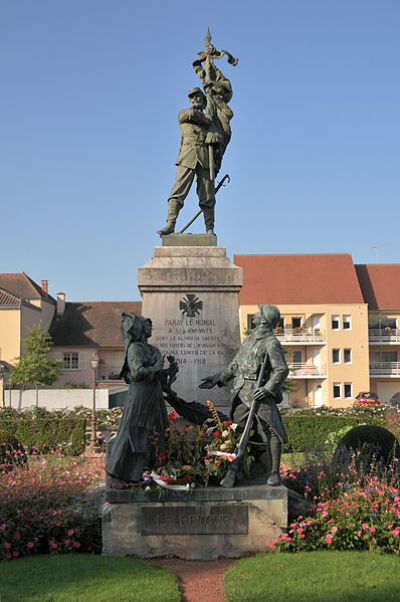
(384, 335)
(384, 369)
(306, 371)
(300, 335)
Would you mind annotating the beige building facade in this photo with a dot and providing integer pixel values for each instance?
(338, 332)
(23, 304)
(326, 347)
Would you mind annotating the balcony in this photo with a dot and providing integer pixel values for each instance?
(384, 335)
(301, 336)
(306, 371)
(391, 369)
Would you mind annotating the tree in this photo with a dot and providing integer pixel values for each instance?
(34, 366)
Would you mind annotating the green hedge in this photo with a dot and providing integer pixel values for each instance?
(48, 434)
(309, 432)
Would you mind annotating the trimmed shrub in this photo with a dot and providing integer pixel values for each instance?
(309, 431)
(376, 444)
(11, 451)
(44, 435)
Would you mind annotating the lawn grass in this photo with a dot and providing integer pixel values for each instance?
(315, 577)
(85, 578)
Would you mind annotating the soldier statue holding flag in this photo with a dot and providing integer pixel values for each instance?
(205, 128)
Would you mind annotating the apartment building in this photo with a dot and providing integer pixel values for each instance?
(380, 285)
(324, 322)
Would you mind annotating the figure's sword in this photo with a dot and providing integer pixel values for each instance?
(221, 183)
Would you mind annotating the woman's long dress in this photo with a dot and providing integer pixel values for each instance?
(144, 413)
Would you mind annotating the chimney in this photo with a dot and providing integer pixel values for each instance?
(60, 304)
(45, 286)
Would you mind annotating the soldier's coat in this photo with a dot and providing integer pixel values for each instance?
(244, 370)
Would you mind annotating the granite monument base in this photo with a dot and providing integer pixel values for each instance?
(203, 524)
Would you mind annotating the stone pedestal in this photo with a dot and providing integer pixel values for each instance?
(191, 295)
(201, 525)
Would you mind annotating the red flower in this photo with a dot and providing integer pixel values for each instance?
(216, 434)
(173, 415)
(163, 457)
(227, 422)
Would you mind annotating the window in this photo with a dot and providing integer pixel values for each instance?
(346, 322)
(386, 324)
(297, 357)
(389, 356)
(336, 356)
(335, 322)
(296, 323)
(348, 390)
(71, 360)
(378, 357)
(347, 356)
(337, 393)
(250, 323)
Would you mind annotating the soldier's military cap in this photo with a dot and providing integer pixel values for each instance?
(194, 91)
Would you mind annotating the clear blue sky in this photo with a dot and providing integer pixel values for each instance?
(90, 92)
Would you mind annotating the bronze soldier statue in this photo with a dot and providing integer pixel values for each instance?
(244, 371)
(193, 160)
(205, 135)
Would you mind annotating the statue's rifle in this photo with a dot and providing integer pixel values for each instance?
(230, 477)
(221, 183)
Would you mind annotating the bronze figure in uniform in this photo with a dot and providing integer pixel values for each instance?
(244, 370)
(206, 132)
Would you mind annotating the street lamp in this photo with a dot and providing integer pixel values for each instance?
(4, 375)
(93, 436)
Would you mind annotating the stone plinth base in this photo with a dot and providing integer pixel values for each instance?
(189, 240)
(201, 525)
(191, 295)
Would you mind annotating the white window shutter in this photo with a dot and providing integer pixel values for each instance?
(82, 360)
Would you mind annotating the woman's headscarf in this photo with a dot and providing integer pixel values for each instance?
(131, 328)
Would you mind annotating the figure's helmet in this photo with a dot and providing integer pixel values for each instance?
(271, 315)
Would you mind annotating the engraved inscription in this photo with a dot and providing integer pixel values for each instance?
(193, 341)
(191, 520)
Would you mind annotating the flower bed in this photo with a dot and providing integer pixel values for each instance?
(354, 510)
(43, 507)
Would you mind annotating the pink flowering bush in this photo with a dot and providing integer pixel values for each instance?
(355, 509)
(43, 507)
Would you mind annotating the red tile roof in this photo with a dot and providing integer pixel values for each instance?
(298, 279)
(92, 323)
(380, 284)
(23, 287)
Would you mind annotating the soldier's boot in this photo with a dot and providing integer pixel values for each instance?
(173, 210)
(274, 478)
(209, 219)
